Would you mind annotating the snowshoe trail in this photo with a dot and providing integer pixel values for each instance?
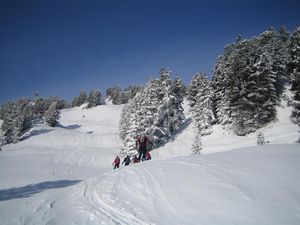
(99, 199)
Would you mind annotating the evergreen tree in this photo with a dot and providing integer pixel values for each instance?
(74, 101)
(79, 100)
(82, 98)
(202, 112)
(21, 119)
(260, 138)
(170, 111)
(295, 74)
(220, 83)
(193, 89)
(7, 115)
(1, 138)
(197, 144)
(52, 114)
(130, 92)
(248, 80)
(115, 95)
(39, 107)
(94, 98)
(156, 110)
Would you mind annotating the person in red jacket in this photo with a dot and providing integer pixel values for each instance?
(148, 156)
(116, 162)
(135, 159)
(141, 144)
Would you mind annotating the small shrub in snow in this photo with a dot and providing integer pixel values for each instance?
(260, 138)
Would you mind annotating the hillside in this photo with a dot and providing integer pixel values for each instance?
(64, 175)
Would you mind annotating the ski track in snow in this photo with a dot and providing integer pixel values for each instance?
(98, 197)
(104, 204)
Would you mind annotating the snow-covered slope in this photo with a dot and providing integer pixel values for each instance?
(281, 131)
(248, 186)
(64, 175)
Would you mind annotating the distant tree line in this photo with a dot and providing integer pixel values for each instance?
(19, 116)
(114, 94)
(118, 97)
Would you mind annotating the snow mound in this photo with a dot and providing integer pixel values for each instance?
(258, 185)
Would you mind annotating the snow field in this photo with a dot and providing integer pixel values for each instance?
(64, 175)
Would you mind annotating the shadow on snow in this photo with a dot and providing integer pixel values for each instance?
(30, 190)
(35, 133)
(70, 127)
(177, 132)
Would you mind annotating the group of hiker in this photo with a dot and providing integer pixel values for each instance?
(142, 145)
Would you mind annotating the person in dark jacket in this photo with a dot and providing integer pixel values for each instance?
(126, 160)
(142, 144)
(116, 162)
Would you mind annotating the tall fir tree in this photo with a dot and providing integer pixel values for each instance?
(94, 99)
(52, 114)
(156, 110)
(22, 118)
(295, 74)
(202, 112)
(248, 80)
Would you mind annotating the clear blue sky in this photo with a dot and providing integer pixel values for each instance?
(57, 47)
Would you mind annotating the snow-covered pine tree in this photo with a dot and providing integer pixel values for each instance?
(237, 91)
(156, 110)
(170, 112)
(138, 115)
(82, 98)
(39, 107)
(7, 116)
(22, 118)
(260, 138)
(295, 67)
(193, 89)
(52, 114)
(221, 98)
(74, 102)
(130, 92)
(248, 79)
(197, 144)
(128, 125)
(202, 112)
(115, 95)
(1, 138)
(94, 99)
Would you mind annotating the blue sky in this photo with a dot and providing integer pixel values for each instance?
(57, 48)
